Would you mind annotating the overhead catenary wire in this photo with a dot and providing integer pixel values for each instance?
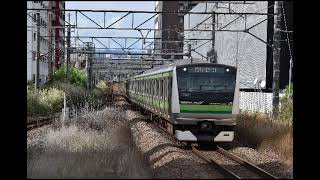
(290, 53)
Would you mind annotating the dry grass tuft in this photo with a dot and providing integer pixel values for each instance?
(264, 134)
(92, 144)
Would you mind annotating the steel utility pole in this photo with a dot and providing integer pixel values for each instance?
(68, 52)
(276, 59)
(189, 53)
(89, 66)
(38, 52)
(213, 35)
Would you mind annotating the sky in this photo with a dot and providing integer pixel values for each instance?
(110, 18)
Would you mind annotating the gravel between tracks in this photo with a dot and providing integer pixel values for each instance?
(165, 155)
(266, 160)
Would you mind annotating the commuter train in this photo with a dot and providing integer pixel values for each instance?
(195, 102)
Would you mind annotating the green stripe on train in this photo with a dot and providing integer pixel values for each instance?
(216, 109)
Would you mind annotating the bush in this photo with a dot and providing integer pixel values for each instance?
(77, 76)
(286, 108)
(77, 96)
(45, 102)
(100, 89)
(102, 85)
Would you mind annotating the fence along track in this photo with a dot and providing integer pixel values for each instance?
(262, 173)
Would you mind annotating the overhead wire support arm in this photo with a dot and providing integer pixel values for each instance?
(118, 20)
(146, 21)
(256, 24)
(117, 43)
(134, 43)
(91, 20)
(101, 43)
(270, 45)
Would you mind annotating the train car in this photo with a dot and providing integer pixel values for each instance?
(196, 102)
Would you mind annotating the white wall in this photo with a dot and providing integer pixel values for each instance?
(256, 101)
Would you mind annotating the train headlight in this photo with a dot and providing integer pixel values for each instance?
(227, 70)
(184, 69)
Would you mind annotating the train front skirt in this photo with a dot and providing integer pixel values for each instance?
(188, 136)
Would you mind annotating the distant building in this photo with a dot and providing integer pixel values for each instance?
(49, 48)
(171, 36)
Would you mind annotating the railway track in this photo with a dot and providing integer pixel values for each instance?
(241, 169)
(39, 122)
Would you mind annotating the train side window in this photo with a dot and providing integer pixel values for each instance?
(157, 88)
(161, 88)
(144, 86)
(169, 86)
(165, 88)
(154, 88)
(135, 86)
(149, 87)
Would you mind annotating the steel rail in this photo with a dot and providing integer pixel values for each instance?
(39, 123)
(247, 164)
(222, 169)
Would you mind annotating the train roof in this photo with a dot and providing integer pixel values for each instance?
(170, 67)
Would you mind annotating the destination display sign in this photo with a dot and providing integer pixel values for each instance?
(202, 69)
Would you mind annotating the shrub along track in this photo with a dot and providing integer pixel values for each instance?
(35, 122)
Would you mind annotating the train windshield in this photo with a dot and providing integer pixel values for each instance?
(206, 83)
(200, 83)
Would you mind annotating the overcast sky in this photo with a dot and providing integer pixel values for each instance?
(110, 18)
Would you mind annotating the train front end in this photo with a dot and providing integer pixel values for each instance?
(204, 102)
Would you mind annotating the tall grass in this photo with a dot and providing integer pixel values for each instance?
(261, 132)
(93, 144)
